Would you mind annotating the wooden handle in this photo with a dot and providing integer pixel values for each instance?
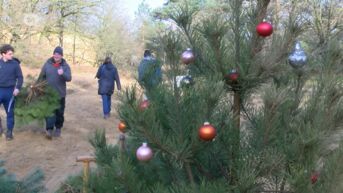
(85, 159)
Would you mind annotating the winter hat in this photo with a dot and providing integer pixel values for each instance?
(58, 50)
(147, 53)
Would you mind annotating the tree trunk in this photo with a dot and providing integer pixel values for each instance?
(60, 37)
(61, 32)
(237, 6)
(74, 41)
(1, 6)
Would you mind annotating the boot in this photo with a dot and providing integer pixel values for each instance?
(48, 134)
(58, 132)
(9, 135)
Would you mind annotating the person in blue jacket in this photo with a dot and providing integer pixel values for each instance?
(149, 71)
(108, 76)
(11, 81)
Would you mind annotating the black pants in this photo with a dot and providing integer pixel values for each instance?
(57, 119)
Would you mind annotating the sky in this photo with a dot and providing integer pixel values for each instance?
(132, 5)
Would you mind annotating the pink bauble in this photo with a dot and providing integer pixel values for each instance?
(188, 56)
(144, 105)
(144, 153)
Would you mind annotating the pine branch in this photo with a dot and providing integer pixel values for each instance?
(190, 174)
(259, 14)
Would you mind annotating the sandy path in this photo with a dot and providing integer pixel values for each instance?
(83, 116)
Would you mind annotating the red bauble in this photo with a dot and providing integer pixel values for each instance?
(122, 126)
(264, 29)
(207, 132)
(144, 104)
(144, 153)
(188, 56)
(314, 177)
(233, 75)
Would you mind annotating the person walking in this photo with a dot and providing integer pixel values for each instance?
(149, 71)
(57, 73)
(108, 76)
(11, 81)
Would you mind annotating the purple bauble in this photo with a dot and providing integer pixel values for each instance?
(144, 153)
(188, 56)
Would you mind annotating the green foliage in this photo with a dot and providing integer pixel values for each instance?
(38, 108)
(71, 185)
(282, 141)
(121, 172)
(32, 183)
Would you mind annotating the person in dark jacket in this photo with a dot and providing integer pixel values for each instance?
(11, 81)
(107, 75)
(57, 73)
(149, 71)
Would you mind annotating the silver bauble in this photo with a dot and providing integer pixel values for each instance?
(297, 58)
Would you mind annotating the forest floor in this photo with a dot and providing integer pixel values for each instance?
(57, 158)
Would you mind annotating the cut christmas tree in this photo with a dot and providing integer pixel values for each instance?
(36, 101)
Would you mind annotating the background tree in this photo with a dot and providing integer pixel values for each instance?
(62, 11)
(32, 183)
(80, 26)
(114, 37)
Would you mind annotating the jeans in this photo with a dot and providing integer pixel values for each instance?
(106, 104)
(57, 119)
(6, 95)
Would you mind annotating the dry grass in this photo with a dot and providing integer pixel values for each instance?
(83, 116)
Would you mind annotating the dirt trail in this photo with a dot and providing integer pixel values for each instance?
(83, 116)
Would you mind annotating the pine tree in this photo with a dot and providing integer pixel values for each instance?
(283, 144)
(32, 183)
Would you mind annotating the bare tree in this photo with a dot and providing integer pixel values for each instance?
(63, 11)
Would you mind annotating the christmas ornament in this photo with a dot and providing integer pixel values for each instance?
(122, 126)
(144, 105)
(144, 153)
(188, 56)
(297, 58)
(314, 177)
(264, 29)
(233, 75)
(207, 132)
